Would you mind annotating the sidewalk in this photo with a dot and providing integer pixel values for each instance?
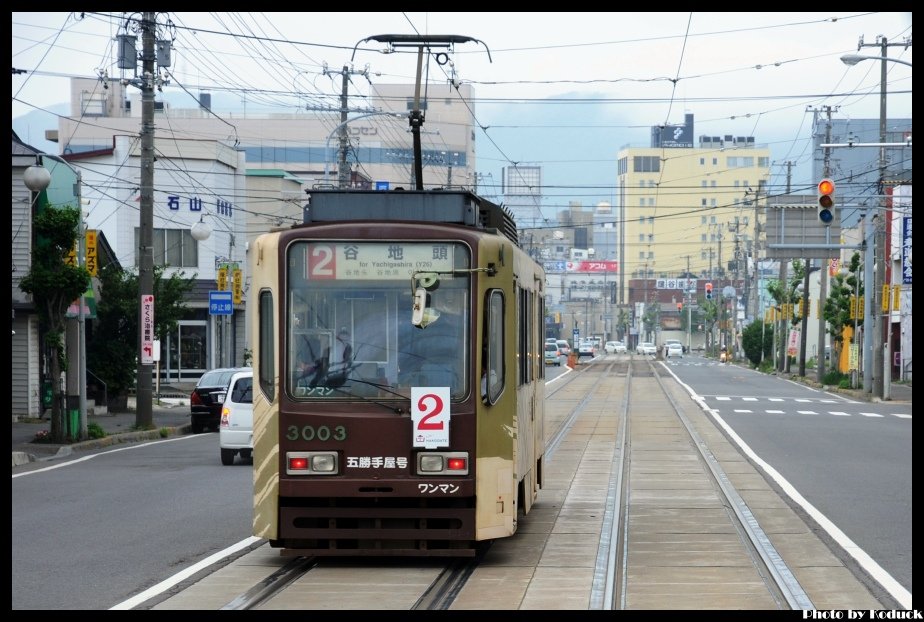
(170, 418)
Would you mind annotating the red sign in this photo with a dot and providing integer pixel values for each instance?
(592, 266)
(147, 329)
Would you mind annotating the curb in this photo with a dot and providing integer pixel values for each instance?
(43, 453)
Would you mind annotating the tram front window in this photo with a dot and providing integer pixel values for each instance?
(349, 327)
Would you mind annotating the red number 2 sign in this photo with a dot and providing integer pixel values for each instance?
(322, 262)
(430, 416)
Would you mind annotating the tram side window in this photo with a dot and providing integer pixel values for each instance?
(267, 351)
(493, 347)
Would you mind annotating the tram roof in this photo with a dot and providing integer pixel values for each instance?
(442, 206)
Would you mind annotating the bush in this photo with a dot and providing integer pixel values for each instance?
(94, 430)
(835, 378)
(164, 432)
(844, 383)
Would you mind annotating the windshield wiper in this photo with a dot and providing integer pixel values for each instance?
(397, 410)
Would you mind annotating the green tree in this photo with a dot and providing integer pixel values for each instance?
(784, 294)
(757, 342)
(844, 285)
(622, 325)
(709, 310)
(113, 351)
(54, 285)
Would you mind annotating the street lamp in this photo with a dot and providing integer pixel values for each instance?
(853, 59)
(881, 355)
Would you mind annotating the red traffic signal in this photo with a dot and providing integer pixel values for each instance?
(826, 200)
(708, 291)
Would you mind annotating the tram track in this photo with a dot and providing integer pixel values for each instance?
(639, 511)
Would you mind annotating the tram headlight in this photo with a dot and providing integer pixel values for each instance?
(430, 463)
(311, 463)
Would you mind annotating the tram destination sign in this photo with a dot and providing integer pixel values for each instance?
(379, 261)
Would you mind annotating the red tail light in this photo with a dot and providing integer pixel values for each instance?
(194, 398)
(298, 464)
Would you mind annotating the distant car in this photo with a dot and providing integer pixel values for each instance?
(615, 347)
(208, 397)
(552, 355)
(673, 350)
(563, 346)
(587, 348)
(235, 432)
(669, 342)
(550, 339)
(646, 347)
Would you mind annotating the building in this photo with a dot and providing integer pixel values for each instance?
(688, 207)
(242, 176)
(25, 358)
(304, 144)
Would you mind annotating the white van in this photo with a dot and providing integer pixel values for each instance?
(235, 430)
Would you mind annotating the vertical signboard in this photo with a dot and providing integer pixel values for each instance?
(92, 266)
(237, 285)
(147, 329)
(906, 250)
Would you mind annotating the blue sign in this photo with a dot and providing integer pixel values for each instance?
(575, 333)
(220, 303)
(381, 185)
(906, 250)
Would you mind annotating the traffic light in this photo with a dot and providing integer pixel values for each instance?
(826, 201)
(679, 306)
(708, 291)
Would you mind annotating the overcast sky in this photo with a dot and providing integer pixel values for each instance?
(746, 74)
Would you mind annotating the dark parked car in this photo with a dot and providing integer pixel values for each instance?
(207, 398)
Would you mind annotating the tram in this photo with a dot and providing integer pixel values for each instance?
(398, 376)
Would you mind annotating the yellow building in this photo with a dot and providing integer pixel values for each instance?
(686, 206)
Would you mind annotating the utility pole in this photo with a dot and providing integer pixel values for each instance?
(881, 320)
(343, 169)
(143, 394)
(823, 292)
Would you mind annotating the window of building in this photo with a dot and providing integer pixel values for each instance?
(646, 164)
(641, 202)
(703, 203)
(712, 220)
(651, 220)
(641, 237)
(175, 248)
(651, 201)
(702, 220)
(702, 161)
(651, 238)
(703, 183)
(650, 254)
(641, 254)
(712, 203)
(702, 237)
(713, 184)
(715, 161)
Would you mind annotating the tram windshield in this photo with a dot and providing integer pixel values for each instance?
(349, 308)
